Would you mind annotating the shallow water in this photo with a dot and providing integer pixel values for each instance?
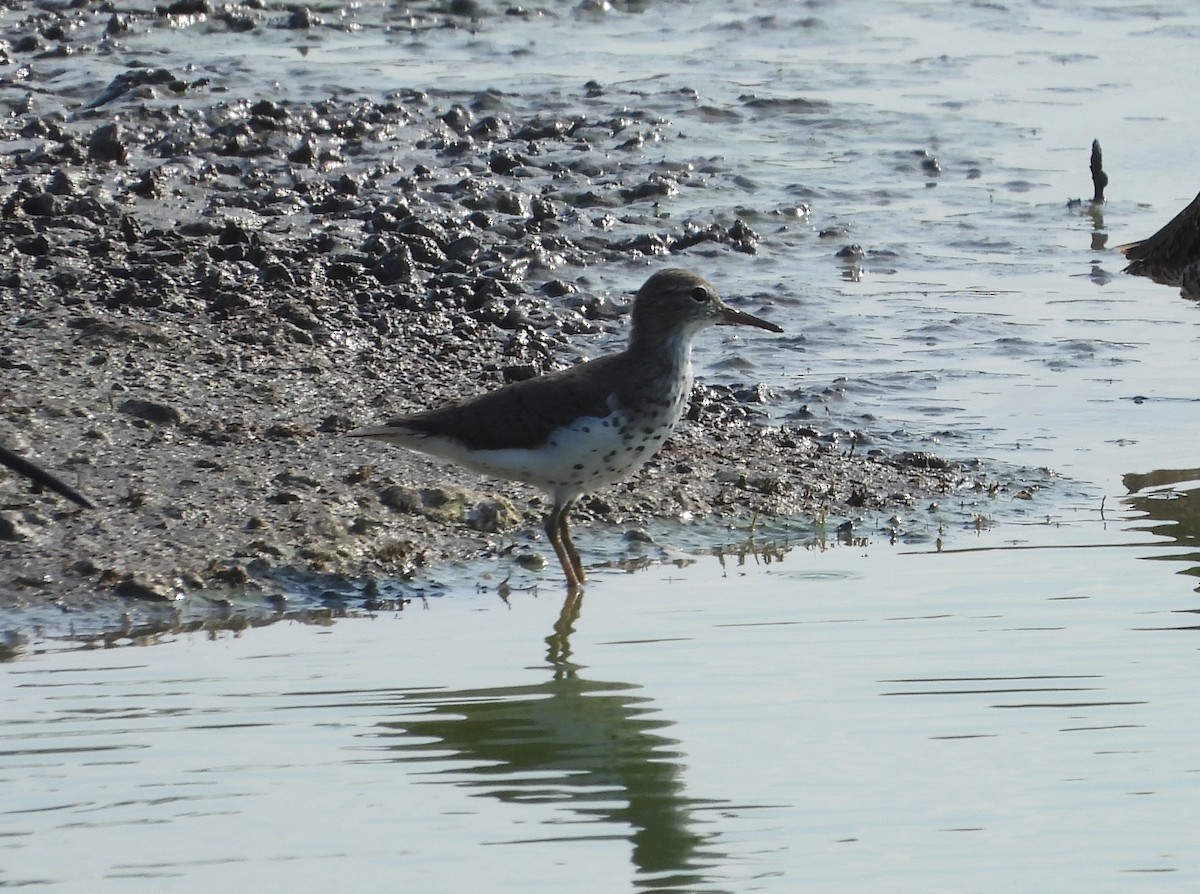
(1014, 712)
(994, 718)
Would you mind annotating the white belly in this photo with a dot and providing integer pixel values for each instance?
(576, 459)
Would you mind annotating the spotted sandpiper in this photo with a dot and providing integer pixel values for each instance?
(578, 429)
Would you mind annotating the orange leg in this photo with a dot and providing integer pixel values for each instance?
(560, 539)
(572, 553)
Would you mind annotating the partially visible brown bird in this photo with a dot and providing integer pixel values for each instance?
(1172, 255)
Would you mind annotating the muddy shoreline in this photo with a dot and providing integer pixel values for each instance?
(205, 290)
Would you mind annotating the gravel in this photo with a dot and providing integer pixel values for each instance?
(203, 292)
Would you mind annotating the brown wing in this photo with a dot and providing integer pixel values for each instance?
(1164, 255)
(522, 414)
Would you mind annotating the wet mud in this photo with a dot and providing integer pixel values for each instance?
(205, 288)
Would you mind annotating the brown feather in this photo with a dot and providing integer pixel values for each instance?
(522, 414)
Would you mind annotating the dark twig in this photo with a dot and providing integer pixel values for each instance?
(42, 477)
(1099, 178)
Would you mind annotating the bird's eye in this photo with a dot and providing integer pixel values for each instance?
(699, 294)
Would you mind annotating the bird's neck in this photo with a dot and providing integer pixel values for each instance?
(670, 351)
(664, 376)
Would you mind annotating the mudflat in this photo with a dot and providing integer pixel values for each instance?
(206, 288)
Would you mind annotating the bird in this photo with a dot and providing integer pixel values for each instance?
(1172, 255)
(575, 430)
(40, 476)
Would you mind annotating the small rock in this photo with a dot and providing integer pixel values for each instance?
(151, 411)
(401, 499)
(922, 460)
(228, 575)
(12, 528)
(42, 204)
(492, 516)
(300, 20)
(138, 587)
(291, 478)
(363, 525)
(106, 144)
(335, 424)
(293, 430)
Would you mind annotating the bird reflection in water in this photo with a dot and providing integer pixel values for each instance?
(595, 749)
(559, 642)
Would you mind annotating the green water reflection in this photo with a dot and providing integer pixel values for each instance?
(594, 748)
(1172, 511)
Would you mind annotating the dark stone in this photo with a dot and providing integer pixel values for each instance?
(151, 411)
(106, 145)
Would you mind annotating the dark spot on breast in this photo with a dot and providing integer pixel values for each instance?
(577, 467)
